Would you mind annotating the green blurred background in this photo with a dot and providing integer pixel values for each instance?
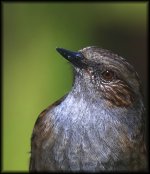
(35, 75)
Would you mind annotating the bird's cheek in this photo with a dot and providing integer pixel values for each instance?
(117, 95)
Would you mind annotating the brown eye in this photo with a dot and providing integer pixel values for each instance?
(108, 75)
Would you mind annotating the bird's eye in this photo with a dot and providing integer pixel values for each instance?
(108, 75)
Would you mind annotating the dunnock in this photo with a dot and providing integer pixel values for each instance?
(99, 125)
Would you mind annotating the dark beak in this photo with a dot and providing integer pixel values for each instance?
(74, 57)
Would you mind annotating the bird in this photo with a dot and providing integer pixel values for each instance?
(99, 125)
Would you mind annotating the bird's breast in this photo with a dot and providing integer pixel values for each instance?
(85, 138)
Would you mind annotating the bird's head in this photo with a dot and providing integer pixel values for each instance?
(105, 75)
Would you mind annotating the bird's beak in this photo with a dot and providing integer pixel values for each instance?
(74, 57)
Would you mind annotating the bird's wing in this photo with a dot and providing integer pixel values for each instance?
(42, 129)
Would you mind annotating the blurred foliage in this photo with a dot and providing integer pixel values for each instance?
(35, 75)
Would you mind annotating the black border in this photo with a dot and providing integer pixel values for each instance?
(77, 1)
